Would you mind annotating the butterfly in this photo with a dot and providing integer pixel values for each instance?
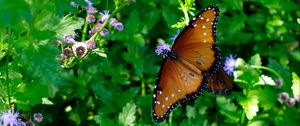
(192, 65)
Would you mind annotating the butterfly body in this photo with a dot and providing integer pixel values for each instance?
(190, 66)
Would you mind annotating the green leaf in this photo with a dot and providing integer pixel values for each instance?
(296, 84)
(265, 80)
(61, 27)
(31, 93)
(258, 123)
(228, 109)
(190, 112)
(255, 60)
(127, 116)
(267, 97)
(284, 72)
(14, 12)
(250, 105)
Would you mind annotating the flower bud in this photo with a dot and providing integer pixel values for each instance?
(290, 102)
(284, 96)
(67, 51)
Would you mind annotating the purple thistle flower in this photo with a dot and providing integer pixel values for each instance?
(91, 44)
(104, 15)
(90, 18)
(113, 21)
(69, 39)
(79, 49)
(284, 96)
(73, 4)
(98, 26)
(290, 102)
(9, 118)
(91, 10)
(119, 26)
(21, 123)
(104, 32)
(163, 49)
(229, 65)
(92, 31)
(38, 117)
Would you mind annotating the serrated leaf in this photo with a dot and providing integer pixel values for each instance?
(65, 26)
(255, 60)
(265, 80)
(296, 84)
(250, 105)
(127, 116)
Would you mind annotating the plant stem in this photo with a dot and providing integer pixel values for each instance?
(270, 70)
(6, 68)
(84, 31)
(143, 88)
(243, 118)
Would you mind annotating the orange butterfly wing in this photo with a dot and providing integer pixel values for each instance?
(197, 43)
(219, 82)
(176, 83)
(182, 78)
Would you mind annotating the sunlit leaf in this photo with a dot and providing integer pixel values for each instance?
(127, 116)
(296, 84)
(250, 106)
(265, 80)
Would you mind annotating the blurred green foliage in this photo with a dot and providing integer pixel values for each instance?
(117, 90)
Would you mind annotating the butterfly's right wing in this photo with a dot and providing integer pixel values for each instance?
(175, 83)
(196, 43)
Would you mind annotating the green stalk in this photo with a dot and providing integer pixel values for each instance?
(84, 31)
(270, 70)
(243, 118)
(143, 88)
(6, 69)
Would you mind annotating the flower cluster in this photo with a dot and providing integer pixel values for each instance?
(289, 101)
(72, 50)
(12, 118)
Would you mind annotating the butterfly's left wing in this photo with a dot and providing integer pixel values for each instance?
(175, 84)
(219, 82)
